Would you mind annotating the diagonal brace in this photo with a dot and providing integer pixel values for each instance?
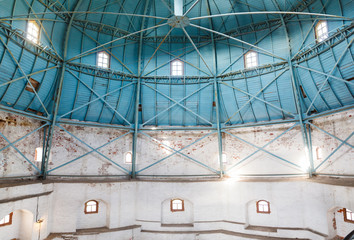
(109, 105)
(179, 152)
(179, 101)
(101, 154)
(171, 99)
(64, 164)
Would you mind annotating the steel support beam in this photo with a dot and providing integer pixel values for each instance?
(58, 93)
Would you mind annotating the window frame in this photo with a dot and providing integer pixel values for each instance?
(85, 207)
(125, 158)
(265, 212)
(39, 32)
(316, 32)
(176, 210)
(245, 59)
(10, 220)
(346, 217)
(109, 60)
(171, 68)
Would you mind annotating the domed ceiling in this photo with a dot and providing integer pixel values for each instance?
(58, 78)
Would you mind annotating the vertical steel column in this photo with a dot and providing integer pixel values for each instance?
(137, 97)
(57, 93)
(216, 95)
(304, 132)
(296, 92)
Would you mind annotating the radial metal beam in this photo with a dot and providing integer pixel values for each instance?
(196, 49)
(271, 12)
(191, 7)
(261, 50)
(115, 40)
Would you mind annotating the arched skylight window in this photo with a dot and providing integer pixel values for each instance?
(176, 68)
(263, 206)
(91, 207)
(177, 205)
(33, 32)
(7, 220)
(321, 31)
(103, 60)
(251, 59)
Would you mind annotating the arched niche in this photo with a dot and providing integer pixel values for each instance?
(93, 220)
(168, 216)
(21, 227)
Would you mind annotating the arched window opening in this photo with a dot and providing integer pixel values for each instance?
(251, 59)
(128, 158)
(33, 32)
(7, 220)
(103, 60)
(321, 31)
(263, 206)
(91, 207)
(176, 68)
(348, 215)
(177, 205)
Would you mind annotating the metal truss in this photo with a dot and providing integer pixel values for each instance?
(99, 72)
(18, 37)
(315, 49)
(210, 36)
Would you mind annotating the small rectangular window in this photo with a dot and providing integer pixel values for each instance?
(348, 215)
(103, 60)
(7, 220)
(38, 154)
(251, 59)
(176, 68)
(33, 32)
(321, 31)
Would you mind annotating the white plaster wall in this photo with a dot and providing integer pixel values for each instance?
(204, 151)
(289, 147)
(341, 125)
(14, 127)
(93, 220)
(228, 205)
(66, 148)
(177, 217)
(25, 210)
